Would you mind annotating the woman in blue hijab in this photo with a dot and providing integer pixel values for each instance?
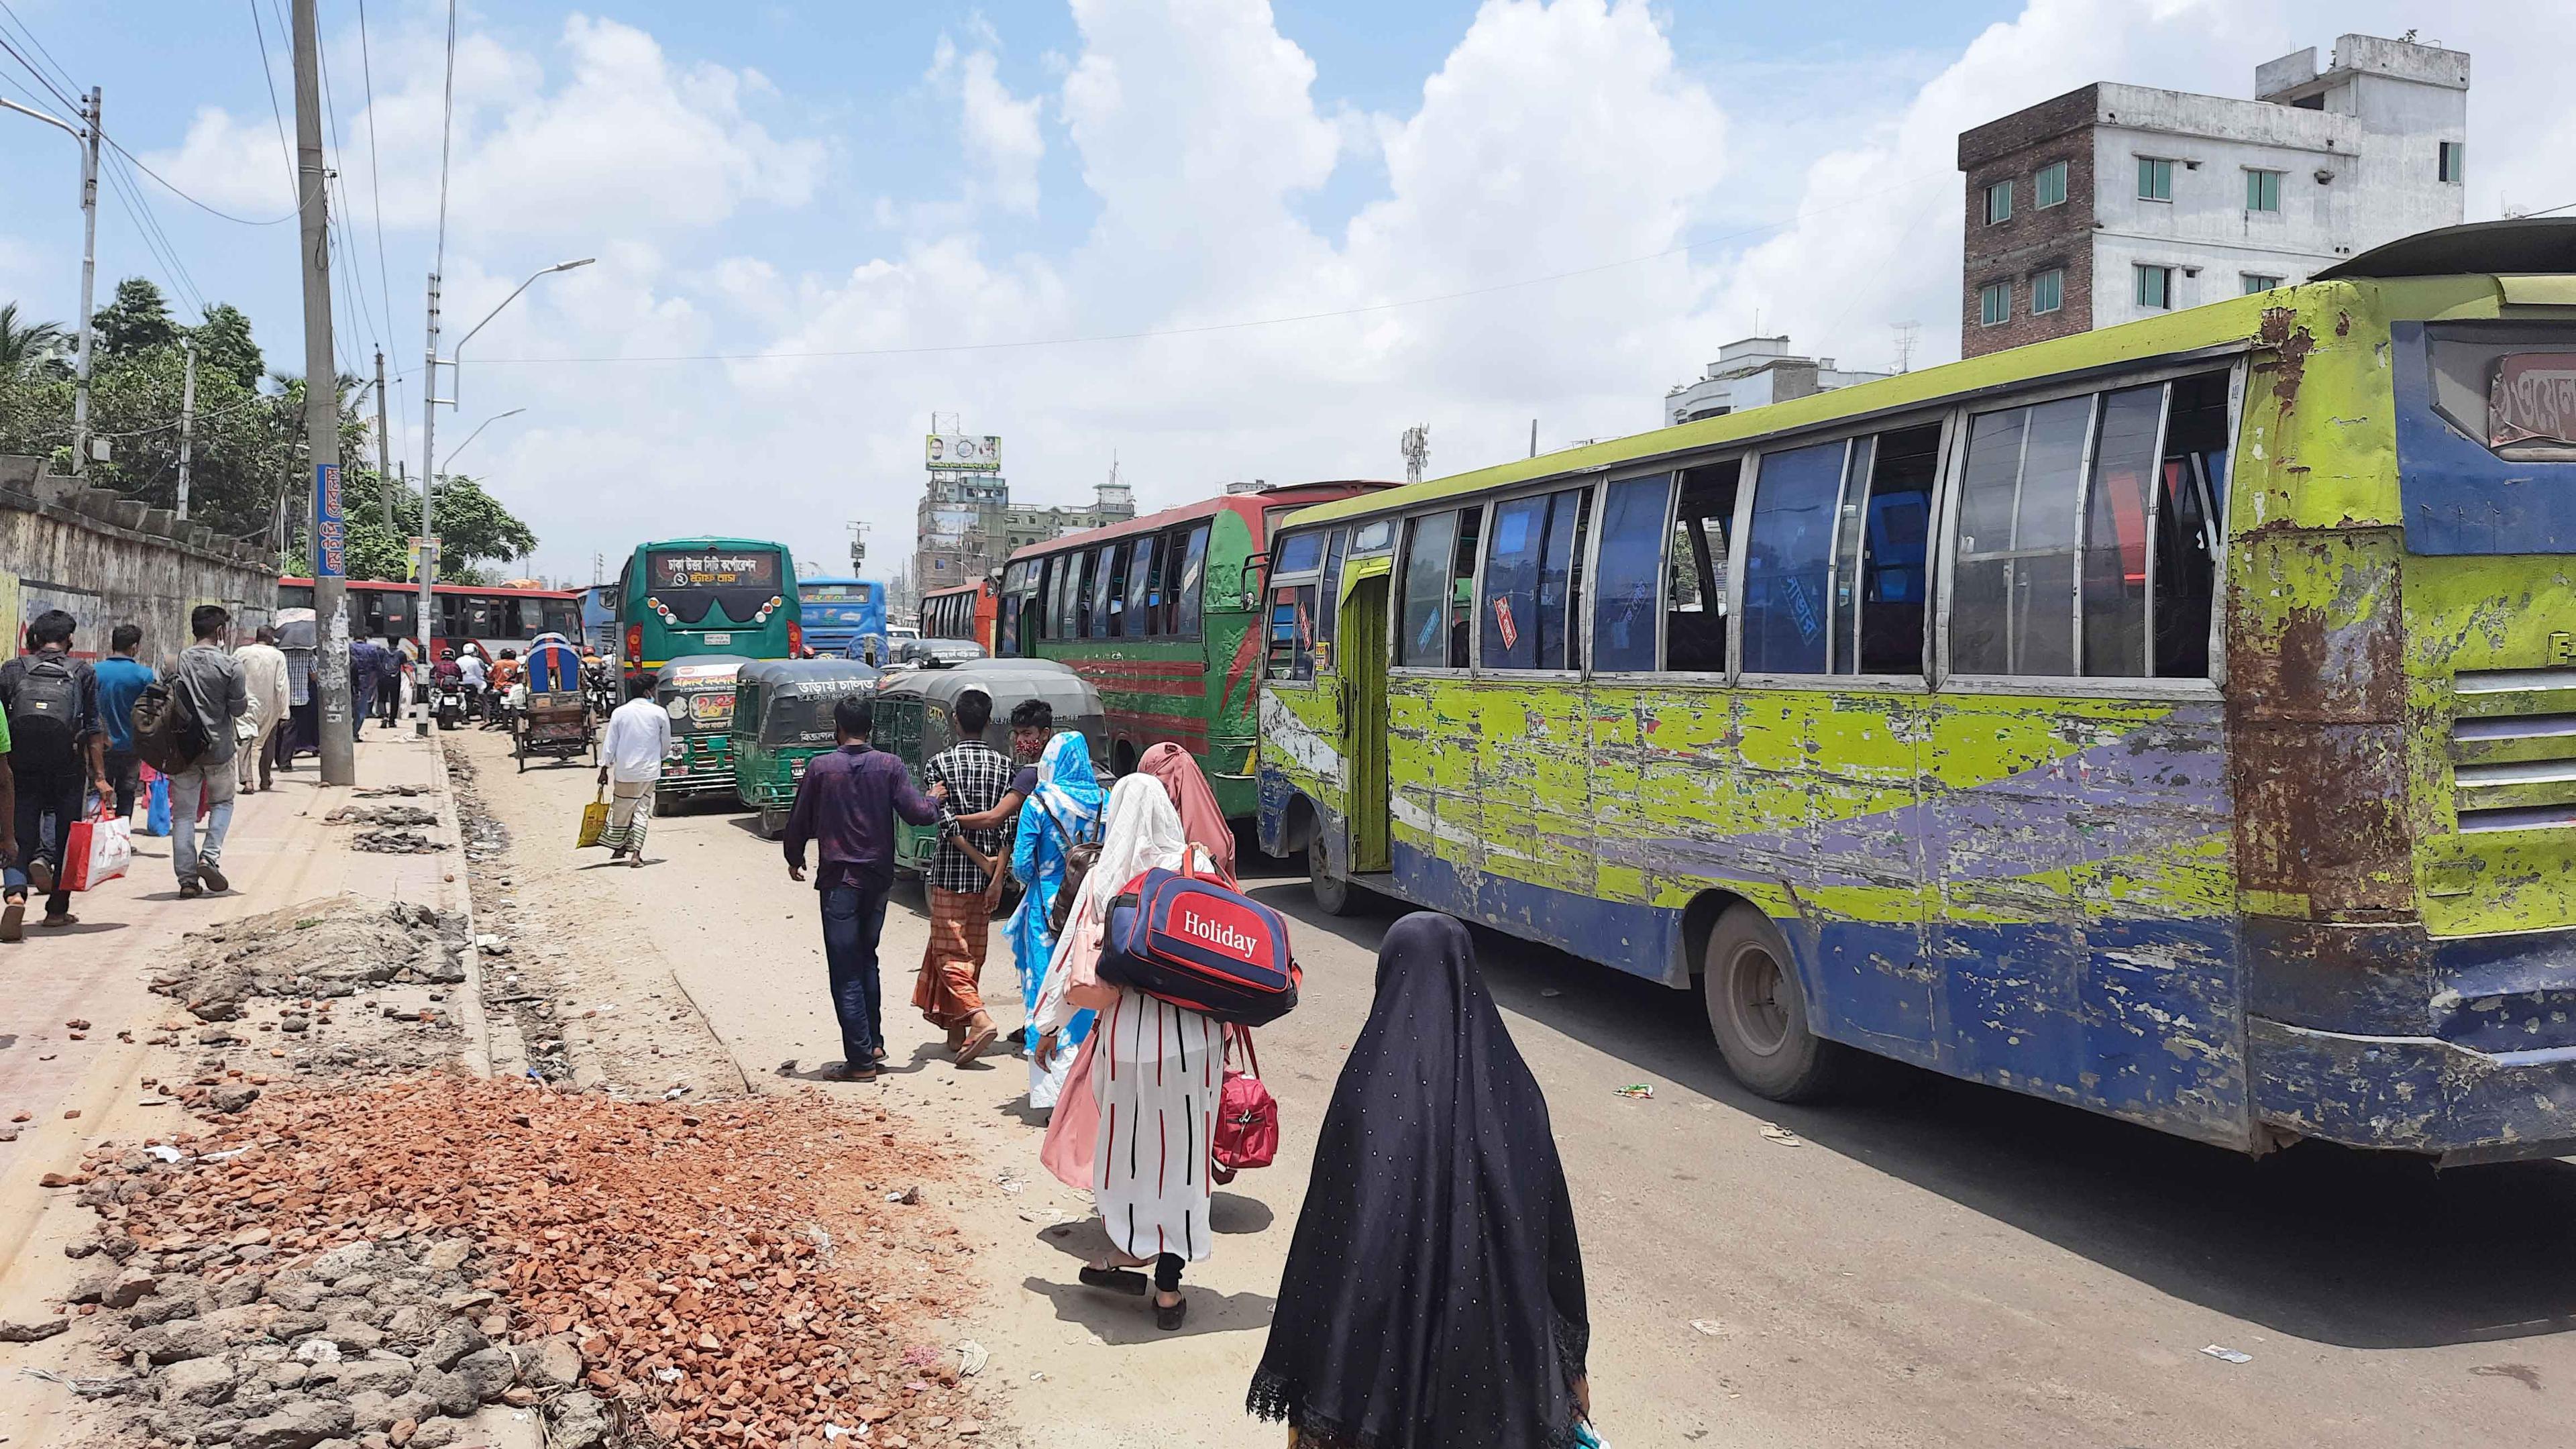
(1064, 813)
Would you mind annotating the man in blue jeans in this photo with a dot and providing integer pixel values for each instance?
(846, 805)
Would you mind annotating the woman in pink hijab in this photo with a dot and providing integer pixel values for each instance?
(1201, 820)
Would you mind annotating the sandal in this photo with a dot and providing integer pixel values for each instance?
(1168, 1316)
(977, 1041)
(1116, 1280)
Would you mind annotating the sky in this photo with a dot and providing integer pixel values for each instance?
(1194, 240)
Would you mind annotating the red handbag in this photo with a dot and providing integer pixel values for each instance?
(1247, 1118)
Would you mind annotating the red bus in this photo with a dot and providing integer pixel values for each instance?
(964, 612)
(496, 618)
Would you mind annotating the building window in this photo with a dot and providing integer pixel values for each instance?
(2047, 291)
(1999, 201)
(1994, 304)
(2262, 190)
(2454, 162)
(2258, 282)
(2154, 286)
(2049, 185)
(2155, 179)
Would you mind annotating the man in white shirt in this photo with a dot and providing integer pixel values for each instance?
(639, 735)
(469, 663)
(264, 677)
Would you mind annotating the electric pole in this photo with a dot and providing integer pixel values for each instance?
(89, 282)
(425, 555)
(384, 448)
(187, 422)
(322, 413)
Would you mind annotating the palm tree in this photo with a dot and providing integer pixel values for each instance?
(25, 347)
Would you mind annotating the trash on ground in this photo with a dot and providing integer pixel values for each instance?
(971, 1358)
(1709, 1326)
(1638, 1090)
(2231, 1355)
(1549, 991)
(1774, 1132)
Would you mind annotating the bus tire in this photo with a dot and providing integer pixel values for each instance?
(1334, 896)
(1758, 1013)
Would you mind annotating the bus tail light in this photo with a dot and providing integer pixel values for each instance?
(795, 641)
(634, 645)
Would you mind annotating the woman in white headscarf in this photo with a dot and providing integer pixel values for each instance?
(1155, 1072)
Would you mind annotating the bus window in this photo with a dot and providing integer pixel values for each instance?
(1429, 544)
(2012, 610)
(1141, 594)
(1043, 624)
(1113, 592)
(1186, 594)
(1006, 617)
(2193, 481)
(689, 582)
(1788, 553)
(1328, 606)
(1302, 554)
(1292, 632)
(1527, 576)
(1462, 585)
(1887, 517)
(2115, 533)
(1096, 566)
(1628, 579)
(1068, 596)
(1702, 544)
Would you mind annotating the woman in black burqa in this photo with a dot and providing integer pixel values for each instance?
(1433, 1297)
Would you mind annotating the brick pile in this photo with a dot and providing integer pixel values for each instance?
(729, 1275)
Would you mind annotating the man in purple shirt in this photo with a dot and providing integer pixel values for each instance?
(846, 805)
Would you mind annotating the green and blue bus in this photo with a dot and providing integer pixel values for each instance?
(687, 596)
(1155, 613)
(2176, 720)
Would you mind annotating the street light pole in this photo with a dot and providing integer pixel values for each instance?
(478, 432)
(430, 403)
(87, 135)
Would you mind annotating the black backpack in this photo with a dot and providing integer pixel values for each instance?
(44, 714)
(168, 734)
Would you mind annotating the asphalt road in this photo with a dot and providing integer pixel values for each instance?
(1934, 1263)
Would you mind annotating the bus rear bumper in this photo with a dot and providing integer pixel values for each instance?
(2420, 1094)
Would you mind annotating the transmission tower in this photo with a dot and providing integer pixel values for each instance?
(1905, 333)
(1416, 446)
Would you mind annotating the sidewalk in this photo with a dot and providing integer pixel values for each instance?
(99, 971)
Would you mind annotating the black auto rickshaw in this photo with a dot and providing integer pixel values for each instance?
(915, 721)
(782, 718)
(697, 693)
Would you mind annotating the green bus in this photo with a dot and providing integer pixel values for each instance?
(687, 596)
(2176, 720)
(1154, 613)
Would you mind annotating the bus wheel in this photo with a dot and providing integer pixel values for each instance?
(1759, 1014)
(1334, 896)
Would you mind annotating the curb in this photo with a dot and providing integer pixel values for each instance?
(484, 1056)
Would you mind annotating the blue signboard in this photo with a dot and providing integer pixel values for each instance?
(330, 533)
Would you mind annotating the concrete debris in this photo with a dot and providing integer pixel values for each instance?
(373, 1263)
(381, 815)
(395, 842)
(42, 1328)
(379, 792)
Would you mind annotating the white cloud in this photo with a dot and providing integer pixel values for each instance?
(1000, 132)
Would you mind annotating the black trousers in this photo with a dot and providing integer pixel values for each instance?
(48, 798)
(125, 772)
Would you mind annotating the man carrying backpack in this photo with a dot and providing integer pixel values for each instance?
(218, 693)
(57, 748)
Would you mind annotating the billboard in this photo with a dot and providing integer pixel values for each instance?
(965, 453)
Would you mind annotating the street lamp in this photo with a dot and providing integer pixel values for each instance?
(478, 432)
(429, 444)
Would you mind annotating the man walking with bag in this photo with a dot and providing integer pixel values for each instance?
(639, 735)
(56, 747)
(846, 805)
(263, 667)
(121, 678)
(211, 681)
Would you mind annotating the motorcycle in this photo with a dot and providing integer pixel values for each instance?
(451, 704)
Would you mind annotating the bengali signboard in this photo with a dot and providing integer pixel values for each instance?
(330, 532)
(2533, 399)
(965, 453)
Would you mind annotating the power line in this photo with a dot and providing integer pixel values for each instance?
(294, 183)
(29, 36)
(375, 178)
(172, 187)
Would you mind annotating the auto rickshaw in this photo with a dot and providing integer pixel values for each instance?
(553, 715)
(697, 693)
(782, 717)
(915, 722)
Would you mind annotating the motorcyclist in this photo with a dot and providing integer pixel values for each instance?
(472, 670)
(507, 672)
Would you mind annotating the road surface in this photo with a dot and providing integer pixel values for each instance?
(1937, 1263)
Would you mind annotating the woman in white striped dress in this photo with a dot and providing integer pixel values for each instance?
(1156, 1070)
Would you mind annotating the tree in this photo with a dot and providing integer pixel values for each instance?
(138, 319)
(472, 528)
(28, 346)
(224, 345)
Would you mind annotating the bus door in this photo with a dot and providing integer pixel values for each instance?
(1363, 665)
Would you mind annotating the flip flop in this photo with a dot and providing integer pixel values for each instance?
(1116, 1280)
(975, 1045)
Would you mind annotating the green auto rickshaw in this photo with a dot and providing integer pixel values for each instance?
(697, 693)
(782, 717)
(915, 722)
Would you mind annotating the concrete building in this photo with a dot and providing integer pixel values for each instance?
(2115, 202)
(966, 525)
(1752, 372)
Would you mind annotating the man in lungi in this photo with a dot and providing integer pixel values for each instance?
(639, 735)
(964, 881)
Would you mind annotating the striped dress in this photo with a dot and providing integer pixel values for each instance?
(1159, 1070)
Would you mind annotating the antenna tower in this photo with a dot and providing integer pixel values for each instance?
(1416, 447)
(1905, 334)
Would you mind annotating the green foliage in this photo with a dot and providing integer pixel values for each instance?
(136, 321)
(28, 346)
(473, 528)
(224, 345)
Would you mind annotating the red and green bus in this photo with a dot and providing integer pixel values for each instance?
(966, 612)
(1158, 614)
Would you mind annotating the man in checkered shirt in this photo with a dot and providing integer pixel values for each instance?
(964, 881)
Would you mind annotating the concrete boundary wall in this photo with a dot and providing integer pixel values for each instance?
(110, 559)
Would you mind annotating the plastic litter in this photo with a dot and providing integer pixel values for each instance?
(317, 1350)
(1709, 1326)
(836, 1431)
(162, 1152)
(1773, 1132)
(2231, 1355)
(971, 1358)
(669, 1375)
(1638, 1090)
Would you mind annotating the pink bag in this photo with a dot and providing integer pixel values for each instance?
(1247, 1119)
(1073, 1130)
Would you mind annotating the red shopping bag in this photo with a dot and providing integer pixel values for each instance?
(96, 851)
(1247, 1119)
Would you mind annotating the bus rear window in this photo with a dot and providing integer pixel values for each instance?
(690, 581)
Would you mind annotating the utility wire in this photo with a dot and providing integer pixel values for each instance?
(29, 36)
(376, 187)
(294, 183)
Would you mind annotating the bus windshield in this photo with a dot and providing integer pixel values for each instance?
(689, 581)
